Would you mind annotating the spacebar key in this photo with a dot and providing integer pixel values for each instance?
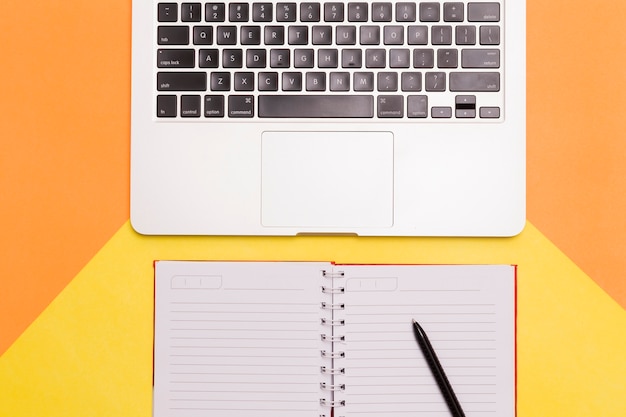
(316, 106)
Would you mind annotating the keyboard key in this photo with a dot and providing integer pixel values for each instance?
(292, 81)
(327, 58)
(339, 81)
(168, 12)
(490, 35)
(357, 12)
(176, 58)
(220, 81)
(202, 35)
(166, 106)
(447, 58)
(316, 106)
(241, 106)
(369, 35)
(333, 12)
(466, 35)
(256, 58)
(346, 35)
(303, 58)
(390, 106)
(309, 12)
(418, 35)
(483, 12)
(268, 81)
(251, 35)
(181, 81)
(215, 12)
(375, 58)
(435, 81)
(417, 107)
(274, 35)
(363, 81)
(441, 112)
(279, 58)
(208, 58)
(381, 12)
(411, 81)
(480, 58)
(441, 35)
(244, 81)
(173, 35)
(490, 112)
(232, 58)
(351, 58)
(393, 35)
(387, 81)
(298, 35)
(190, 106)
(406, 12)
(453, 12)
(474, 81)
(238, 12)
(465, 107)
(423, 58)
(226, 35)
(429, 12)
(213, 106)
(321, 35)
(190, 12)
(315, 81)
(262, 12)
(285, 12)
(399, 58)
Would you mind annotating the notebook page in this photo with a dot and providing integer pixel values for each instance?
(468, 313)
(237, 339)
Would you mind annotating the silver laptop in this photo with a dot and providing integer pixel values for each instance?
(366, 118)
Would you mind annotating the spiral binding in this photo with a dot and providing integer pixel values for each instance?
(327, 387)
(332, 338)
(331, 275)
(326, 338)
(327, 306)
(326, 322)
(333, 355)
(327, 290)
(327, 403)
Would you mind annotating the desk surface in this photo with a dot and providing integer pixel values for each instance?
(76, 281)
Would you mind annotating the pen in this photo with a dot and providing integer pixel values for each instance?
(437, 370)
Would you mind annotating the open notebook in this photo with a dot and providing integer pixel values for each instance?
(280, 339)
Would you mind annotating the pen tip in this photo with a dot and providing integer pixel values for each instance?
(414, 322)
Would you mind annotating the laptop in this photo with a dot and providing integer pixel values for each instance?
(359, 118)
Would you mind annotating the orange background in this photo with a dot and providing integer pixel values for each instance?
(65, 122)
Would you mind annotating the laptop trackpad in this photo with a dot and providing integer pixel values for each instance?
(327, 180)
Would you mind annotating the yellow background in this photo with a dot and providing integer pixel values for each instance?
(76, 281)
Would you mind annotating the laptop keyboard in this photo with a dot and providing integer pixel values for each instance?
(375, 60)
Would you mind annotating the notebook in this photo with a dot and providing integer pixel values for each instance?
(363, 118)
(293, 339)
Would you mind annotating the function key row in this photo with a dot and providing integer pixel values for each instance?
(330, 12)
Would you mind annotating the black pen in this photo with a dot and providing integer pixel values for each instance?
(437, 370)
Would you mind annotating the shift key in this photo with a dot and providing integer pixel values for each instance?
(181, 81)
(475, 81)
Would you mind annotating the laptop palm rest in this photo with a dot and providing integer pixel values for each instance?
(327, 181)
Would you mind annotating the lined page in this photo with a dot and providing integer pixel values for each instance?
(237, 339)
(468, 313)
